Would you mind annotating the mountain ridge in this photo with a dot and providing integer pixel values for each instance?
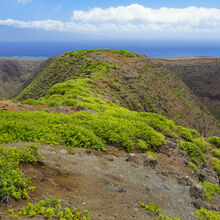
(131, 80)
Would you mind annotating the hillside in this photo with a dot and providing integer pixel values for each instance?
(74, 148)
(129, 80)
(15, 74)
(202, 75)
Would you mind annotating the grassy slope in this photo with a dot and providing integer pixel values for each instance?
(129, 80)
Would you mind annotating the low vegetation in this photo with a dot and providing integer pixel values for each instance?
(157, 211)
(193, 167)
(215, 140)
(50, 209)
(216, 164)
(210, 189)
(13, 184)
(216, 153)
(83, 129)
(200, 214)
(194, 151)
(204, 214)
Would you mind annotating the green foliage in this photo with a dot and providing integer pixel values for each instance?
(204, 214)
(2, 99)
(156, 210)
(33, 102)
(150, 153)
(72, 152)
(194, 151)
(216, 164)
(122, 128)
(210, 189)
(124, 52)
(12, 182)
(76, 93)
(215, 140)
(202, 144)
(50, 209)
(188, 134)
(54, 129)
(118, 127)
(194, 167)
(172, 135)
(216, 152)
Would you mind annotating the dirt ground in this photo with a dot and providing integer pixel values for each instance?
(108, 185)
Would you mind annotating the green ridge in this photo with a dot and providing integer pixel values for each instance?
(127, 79)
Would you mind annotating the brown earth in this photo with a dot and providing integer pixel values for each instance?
(201, 75)
(8, 105)
(110, 185)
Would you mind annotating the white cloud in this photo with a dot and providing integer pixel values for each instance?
(24, 1)
(133, 19)
(139, 14)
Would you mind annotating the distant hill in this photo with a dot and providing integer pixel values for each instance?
(202, 75)
(15, 73)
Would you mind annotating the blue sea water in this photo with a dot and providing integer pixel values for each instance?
(152, 48)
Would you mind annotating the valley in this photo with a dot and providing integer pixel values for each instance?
(202, 76)
(15, 74)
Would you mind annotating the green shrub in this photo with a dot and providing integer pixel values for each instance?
(2, 99)
(191, 133)
(50, 209)
(216, 152)
(204, 214)
(194, 167)
(49, 128)
(156, 210)
(142, 145)
(172, 135)
(202, 144)
(13, 184)
(194, 151)
(215, 140)
(83, 129)
(210, 189)
(187, 136)
(72, 152)
(33, 102)
(216, 164)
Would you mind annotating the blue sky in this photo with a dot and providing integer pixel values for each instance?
(70, 19)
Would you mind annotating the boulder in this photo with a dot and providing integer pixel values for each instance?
(150, 162)
(142, 160)
(185, 180)
(197, 191)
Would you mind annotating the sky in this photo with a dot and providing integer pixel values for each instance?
(108, 19)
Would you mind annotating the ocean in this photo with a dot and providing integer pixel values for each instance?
(151, 48)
